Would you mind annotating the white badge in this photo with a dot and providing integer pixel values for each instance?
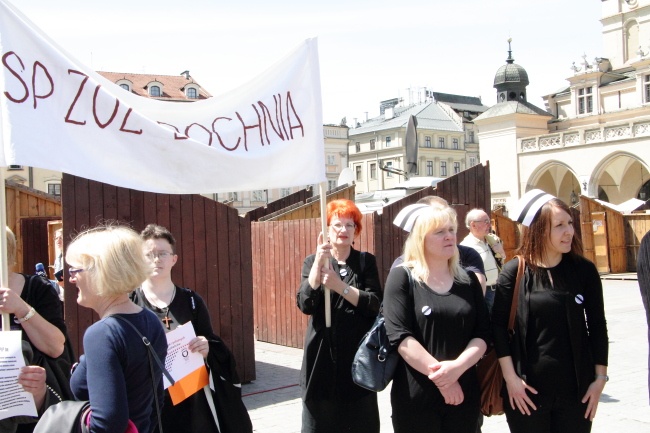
(426, 310)
(579, 299)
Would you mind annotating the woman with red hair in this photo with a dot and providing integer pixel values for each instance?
(332, 402)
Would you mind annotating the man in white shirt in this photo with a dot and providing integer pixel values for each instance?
(478, 223)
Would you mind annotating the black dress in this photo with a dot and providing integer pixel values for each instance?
(332, 402)
(560, 335)
(193, 414)
(444, 324)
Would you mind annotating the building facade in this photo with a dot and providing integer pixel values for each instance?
(377, 149)
(593, 138)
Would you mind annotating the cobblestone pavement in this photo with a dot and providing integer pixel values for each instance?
(273, 400)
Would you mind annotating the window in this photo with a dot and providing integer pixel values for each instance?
(234, 196)
(192, 93)
(456, 167)
(441, 142)
(54, 189)
(284, 192)
(125, 86)
(443, 168)
(258, 195)
(358, 171)
(154, 91)
(585, 100)
(331, 184)
(472, 161)
(427, 141)
(331, 160)
(454, 143)
(429, 168)
(15, 167)
(470, 136)
(373, 171)
(389, 165)
(372, 144)
(646, 88)
(388, 141)
(357, 147)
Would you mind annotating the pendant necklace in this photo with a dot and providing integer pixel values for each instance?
(165, 310)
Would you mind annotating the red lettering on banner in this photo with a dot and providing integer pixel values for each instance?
(219, 136)
(293, 109)
(176, 134)
(278, 107)
(187, 131)
(265, 112)
(15, 74)
(97, 121)
(76, 98)
(258, 125)
(126, 118)
(49, 78)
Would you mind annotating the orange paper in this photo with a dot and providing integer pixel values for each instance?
(188, 385)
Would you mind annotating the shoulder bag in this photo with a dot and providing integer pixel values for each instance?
(376, 360)
(488, 371)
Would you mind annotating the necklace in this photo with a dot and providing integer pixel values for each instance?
(110, 307)
(164, 310)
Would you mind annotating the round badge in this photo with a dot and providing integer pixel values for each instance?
(426, 310)
(579, 299)
(343, 272)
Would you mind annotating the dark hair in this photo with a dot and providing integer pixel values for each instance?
(154, 231)
(534, 238)
(344, 208)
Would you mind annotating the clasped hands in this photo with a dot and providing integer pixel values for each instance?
(328, 277)
(444, 375)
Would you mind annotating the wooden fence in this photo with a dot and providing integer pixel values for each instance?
(282, 243)
(213, 244)
(28, 211)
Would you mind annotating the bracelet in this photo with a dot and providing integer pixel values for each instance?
(28, 316)
(602, 376)
(346, 290)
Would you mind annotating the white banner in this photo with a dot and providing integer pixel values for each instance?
(58, 114)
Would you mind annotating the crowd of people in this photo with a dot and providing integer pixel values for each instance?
(444, 305)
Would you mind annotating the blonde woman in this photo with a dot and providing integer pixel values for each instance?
(106, 264)
(441, 329)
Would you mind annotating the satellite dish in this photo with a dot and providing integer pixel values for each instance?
(411, 144)
(346, 177)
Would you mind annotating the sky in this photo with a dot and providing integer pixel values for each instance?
(369, 51)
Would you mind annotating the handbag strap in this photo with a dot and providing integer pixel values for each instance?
(521, 268)
(152, 356)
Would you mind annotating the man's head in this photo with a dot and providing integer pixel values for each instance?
(478, 223)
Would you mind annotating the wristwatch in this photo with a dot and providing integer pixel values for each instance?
(346, 290)
(602, 376)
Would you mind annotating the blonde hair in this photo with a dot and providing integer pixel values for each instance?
(112, 258)
(11, 247)
(414, 253)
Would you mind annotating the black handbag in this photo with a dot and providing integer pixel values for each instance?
(64, 417)
(375, 361)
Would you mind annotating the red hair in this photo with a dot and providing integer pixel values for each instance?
(344, 208)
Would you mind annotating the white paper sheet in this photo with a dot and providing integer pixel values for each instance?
(15, 401)
(180, 361)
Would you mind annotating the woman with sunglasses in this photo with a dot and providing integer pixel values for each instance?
(332, 402)
(114, 374)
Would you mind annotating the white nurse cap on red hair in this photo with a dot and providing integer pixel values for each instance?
(529, 205)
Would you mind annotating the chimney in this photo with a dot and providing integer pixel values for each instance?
(186, 74)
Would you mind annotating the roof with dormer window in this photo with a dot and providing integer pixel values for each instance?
(173, 88)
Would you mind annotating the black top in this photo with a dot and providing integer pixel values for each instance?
(332, 379)
(552, 348)
(42, 296)
(443, 323)
(193, 414)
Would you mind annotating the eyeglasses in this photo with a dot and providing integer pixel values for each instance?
(482, 221)
(162, 255)
(339, 227)
(74, 271)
